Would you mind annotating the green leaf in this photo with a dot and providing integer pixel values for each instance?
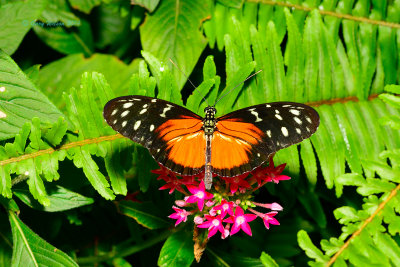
(20, 100)
(314, 208)
(174, 32)
(60, 199)
(15, 21)
(79, 39)
(232, 3)
(60, 75)
(33, 72)
(82, 159)
(31, 250)
(311, 250)
(267, 260)
(84, 5)
(392, 88)
(177, 250)
(150, 5)
(146, 214)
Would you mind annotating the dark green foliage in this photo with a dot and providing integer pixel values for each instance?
(61, 164)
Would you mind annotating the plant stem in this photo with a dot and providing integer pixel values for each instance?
(127, 250)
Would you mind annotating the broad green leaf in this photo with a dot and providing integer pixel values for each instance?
(78, 39)
(33, 72)
(31, 250)
(60, 75)
(375, 186)
(84, 5)
(60, 199)
(20, 100)
(177, 250)
(150, 5)
(145, 214)
(309, 161)
(59, 13)
(392, 88)
(311, 250)
(174, 32)
(16, 20)
(267, 260)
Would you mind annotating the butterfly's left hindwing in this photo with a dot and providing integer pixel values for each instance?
(250, 135)
(171, 133)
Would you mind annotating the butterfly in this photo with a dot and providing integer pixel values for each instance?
(227, 146)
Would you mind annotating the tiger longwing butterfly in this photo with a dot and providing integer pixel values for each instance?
(228, 146)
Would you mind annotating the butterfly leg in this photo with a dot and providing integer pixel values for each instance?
(208, 167)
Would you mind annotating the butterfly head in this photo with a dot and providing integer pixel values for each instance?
(210, 111)
(209, 120)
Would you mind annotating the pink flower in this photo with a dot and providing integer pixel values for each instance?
(240, 221)
(271, 206)
(268, 219)
(213, 224)
(198, 220)
(238, 182)
(225, 207)
(199, 195)
(180, 215)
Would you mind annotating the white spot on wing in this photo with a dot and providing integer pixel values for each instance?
(276, 111)
(286, 106)
(269, 133)
(127, 105)
(114, 112)
(154, 100)
(278, 117)
(158, 150)
(258, 155)
(298, 130)
(115, 121)
(252, 111)
(268, 106)
(124, 123)
(285, 131)
(308, 130)
(145, 106)
(165, 111)
(136, 126)
(297, 120)
(143, 111)
(308, 119)
(294, 111)
(151, 128)
(123, 114)
(2, 115)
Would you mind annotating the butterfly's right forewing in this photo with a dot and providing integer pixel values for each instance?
(173, 134)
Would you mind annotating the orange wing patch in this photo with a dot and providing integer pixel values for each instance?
(185, 141)
(231, 146)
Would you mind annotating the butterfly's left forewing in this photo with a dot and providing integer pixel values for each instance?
(173, 134)
(253, 134)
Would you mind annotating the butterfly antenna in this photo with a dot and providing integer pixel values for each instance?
(195, 88)
(235, 87)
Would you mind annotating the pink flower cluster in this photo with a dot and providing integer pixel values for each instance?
(223, 210)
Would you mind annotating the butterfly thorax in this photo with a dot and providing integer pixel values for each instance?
(209, 120)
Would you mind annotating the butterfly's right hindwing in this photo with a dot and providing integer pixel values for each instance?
(161, 127)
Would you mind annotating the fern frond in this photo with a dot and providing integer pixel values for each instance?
(365, 239)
